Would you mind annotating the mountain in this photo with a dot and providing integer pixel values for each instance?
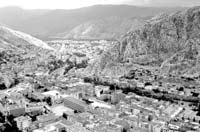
(50, 23)
(169, 43)
(13, 16)
(107, 28)
(15, 40)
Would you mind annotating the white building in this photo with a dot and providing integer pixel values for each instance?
(23, 122)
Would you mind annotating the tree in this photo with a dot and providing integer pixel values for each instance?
(198, 109)
(49, 101)
(150, 118)
(194, 119)
(124, 130)
(114, 99)
(2, 118)
(65, 115)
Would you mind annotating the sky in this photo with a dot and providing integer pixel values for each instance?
(71, 4)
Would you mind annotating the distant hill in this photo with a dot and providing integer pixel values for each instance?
(168, 42)
(50, 23)
(13, 16)
(108, 28)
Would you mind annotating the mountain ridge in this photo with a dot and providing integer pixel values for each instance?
(49, 23)
(168, 42)
(107, 28)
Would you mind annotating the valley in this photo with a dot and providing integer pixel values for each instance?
(145, 80)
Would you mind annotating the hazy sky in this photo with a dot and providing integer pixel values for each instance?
(70, 4)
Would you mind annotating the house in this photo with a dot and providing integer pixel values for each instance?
(54, 95)
(108, 112)
(49, 128)
(113, 128)
(100, 104)
(71, 126)
(36, 96)
(34, 109)
(145, 125)
(123, 124)
(174, 126)
(86, 115)
(46, 119)
(16, 110)
(59, 110)
(157, 127)
(133, 121)
(60, 127)
(23, 122)
(140, 85)
(149, 87)
(78, 119)
(100, 90)
(76, 94)
(172, 111)
(107, 128)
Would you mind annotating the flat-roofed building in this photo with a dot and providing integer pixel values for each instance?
(16, 110)
(36, 96)
(71, 126)
(75, 104)
(46, 119)
(23, 122)
(60, 128)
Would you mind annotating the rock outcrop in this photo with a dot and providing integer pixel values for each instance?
(168, 41)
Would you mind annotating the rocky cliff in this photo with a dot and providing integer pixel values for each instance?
(169, 42)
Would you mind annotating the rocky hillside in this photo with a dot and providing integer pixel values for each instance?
(20, 53)
(169, 42)
(108, 28)
(15, 40)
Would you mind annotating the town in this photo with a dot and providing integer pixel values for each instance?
(87, 107)
(100, 68)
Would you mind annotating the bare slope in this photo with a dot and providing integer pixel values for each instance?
(17, 40)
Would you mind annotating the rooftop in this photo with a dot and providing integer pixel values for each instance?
(67, 122)
(46, 117)
(74, 100)
(52, 93)
(60, 109)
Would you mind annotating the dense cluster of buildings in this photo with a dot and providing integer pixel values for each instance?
(80, 48)
(84, 107)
